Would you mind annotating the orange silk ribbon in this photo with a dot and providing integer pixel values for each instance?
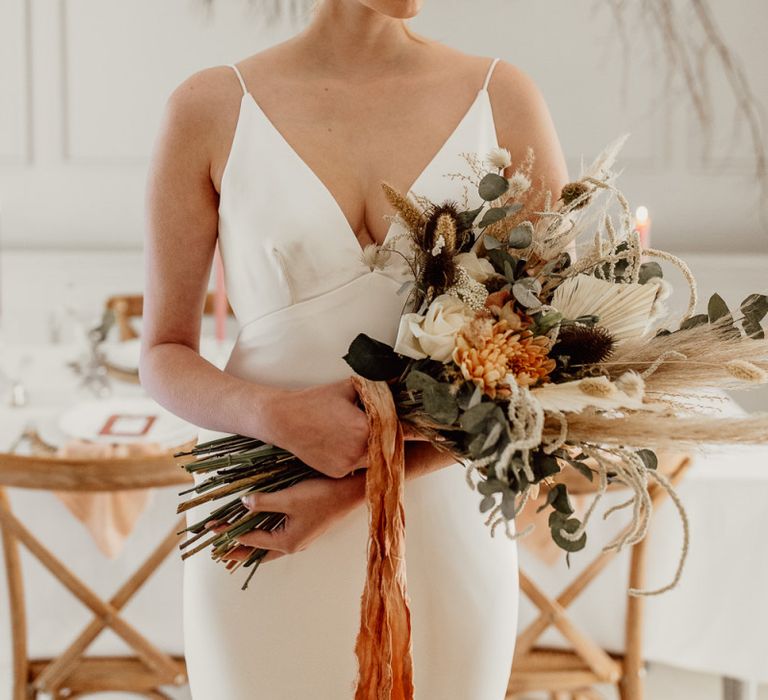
(383, 646)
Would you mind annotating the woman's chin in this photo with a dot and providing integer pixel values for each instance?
(396, 9)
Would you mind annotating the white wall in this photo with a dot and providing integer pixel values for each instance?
(82, 84)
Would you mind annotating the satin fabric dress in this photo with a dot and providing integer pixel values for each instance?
(301, 292)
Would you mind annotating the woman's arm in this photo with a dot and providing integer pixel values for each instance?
(523, 120)
(180, 234)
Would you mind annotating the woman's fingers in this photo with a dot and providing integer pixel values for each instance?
(242, 552)
(278, 540)
(271, 502)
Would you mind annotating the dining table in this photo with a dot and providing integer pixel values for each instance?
(713, 621)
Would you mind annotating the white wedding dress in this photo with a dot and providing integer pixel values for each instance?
(301, 292)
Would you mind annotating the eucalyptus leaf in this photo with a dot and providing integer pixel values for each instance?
(755, 306)
(491, 242)
(418, 381)
(570, 526)
(649, 458)
(491, 216)
(521, 236)
(493, 436)
(560, 501)
(492, 186)
(440, 403)
(649, 270)
(525, 291)
(544, 465)
(475, 446)
(499, 258)
(487, 503)
(472, 419)
(465, 393)
(717, 308)
(490, 486)
(467, 218)
(508, 504)
(583, 469)
(753, 329)
(477, 396)
(693, 321)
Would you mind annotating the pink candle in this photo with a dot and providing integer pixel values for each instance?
(643, 226)
(220, 297)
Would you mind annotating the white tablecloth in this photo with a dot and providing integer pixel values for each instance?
(55, 616)
(715, 620)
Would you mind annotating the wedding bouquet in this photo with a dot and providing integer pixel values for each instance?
(522, 359)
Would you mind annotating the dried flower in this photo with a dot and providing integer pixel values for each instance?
(584, 345)
(747, 371)
(632, 384)
(375, 256)
(499, 158)
(598, 387)
(409, 213)
(519, 184)
(487, 352)
(624, 310)
(439, 245)
(572, 191)
(468, 289)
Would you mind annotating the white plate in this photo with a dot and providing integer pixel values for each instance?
(124, 354)
(86, 419)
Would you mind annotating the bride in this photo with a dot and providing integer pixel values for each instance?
(279, 158)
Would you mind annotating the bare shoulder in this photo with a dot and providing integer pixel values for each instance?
(523, 120)
(199, 118)
(197, 101)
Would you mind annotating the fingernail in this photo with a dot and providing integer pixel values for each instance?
(246, 500)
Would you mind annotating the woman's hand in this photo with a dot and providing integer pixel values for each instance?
(311, 507)
(323, 426)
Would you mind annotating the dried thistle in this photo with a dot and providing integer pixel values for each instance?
(583, 345)
(575, 193)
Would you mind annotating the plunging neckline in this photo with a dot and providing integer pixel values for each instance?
(321, 184)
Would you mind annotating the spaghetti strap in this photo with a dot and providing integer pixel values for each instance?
(488, 74)
(239, 77)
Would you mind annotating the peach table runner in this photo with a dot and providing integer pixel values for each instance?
(109, 516)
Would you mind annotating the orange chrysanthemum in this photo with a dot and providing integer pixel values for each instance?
(486, 352)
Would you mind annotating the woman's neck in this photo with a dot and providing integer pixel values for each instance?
(350, 41)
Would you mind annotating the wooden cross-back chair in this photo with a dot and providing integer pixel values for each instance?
(128, 306)
(73, 674)
(572, 673)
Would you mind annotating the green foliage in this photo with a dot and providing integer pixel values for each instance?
(754, 309)
(492, 186)
(649, 270)
(374, 360)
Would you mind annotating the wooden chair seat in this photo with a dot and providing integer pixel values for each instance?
(73, 673)
(99, 674)
(571, 674)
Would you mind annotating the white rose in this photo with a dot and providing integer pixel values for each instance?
(433, 334)
(479, 269)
